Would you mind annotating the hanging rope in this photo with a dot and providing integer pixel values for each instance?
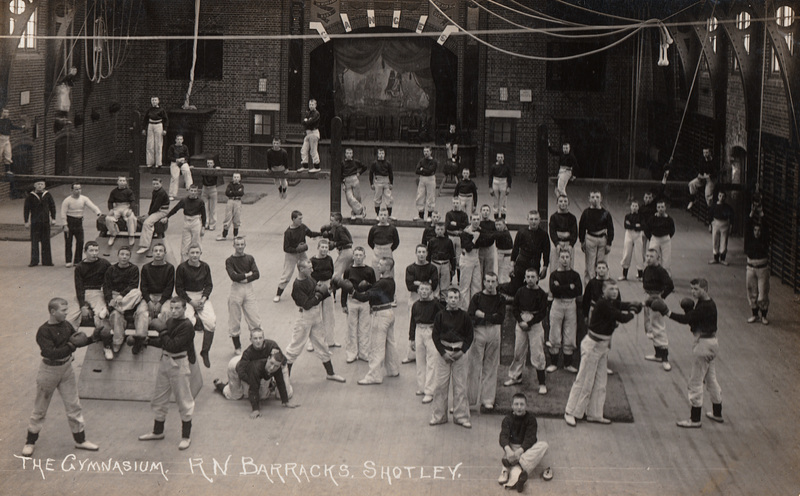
(352, 35)
(585, 9)
(761, 108)
(108, 52)
(637, 85)
(186, 104)
(539, 16)
(549, 33)
(691, 88)
(535, 57)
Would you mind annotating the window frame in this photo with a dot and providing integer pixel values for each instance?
(742, 22)
(784, 16)
(263, 131)
(27, 40)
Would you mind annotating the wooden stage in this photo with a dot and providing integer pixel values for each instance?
(402, 155)
(353, 440)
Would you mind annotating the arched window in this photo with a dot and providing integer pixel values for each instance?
(784, 16)
(711, 26)
(742, 23)
(28, 38)
(743, 20)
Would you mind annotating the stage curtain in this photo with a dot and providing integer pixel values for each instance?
(404, 55)
(386, 79)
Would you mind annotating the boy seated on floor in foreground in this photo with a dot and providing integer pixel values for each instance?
(522, 451)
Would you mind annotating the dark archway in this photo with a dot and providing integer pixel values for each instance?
(374, 83)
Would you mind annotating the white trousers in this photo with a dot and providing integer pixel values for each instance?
(129, 302)
(121, 210)
(358, 324)
(209, 195)
(426, 194)
(531, 457)
(484, 359)
(704, 372)
(662, 245)
(207, 315)
(383, 192)
(532, 339)
(352, 193)
(242, 303)
(595, 251)
(631, 246)
(192, 225)
(308, 326)
(175, 172)
(563, 325)
(233, 214)
(720, 231)
(149, 227)
(426, 354)
(383, 356)
(469, 282)
(500, 190)
(757, 281)
(96, 301)
(443, 373)
(173, 377)
(154, 144)
(289, 264)
(564, 174)
(588, 393)
(310, 147)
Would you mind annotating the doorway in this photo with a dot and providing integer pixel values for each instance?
(502, 139)
(62, 154)
(262, 128)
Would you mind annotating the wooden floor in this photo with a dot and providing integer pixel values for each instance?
(349, 439)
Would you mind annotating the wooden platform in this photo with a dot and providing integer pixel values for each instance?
(127, 377)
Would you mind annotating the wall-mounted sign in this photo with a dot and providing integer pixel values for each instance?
(450, 29)
(326, 12)
(346, 23)
(421, 24)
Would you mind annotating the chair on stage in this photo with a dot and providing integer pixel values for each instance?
(387, 128)
(373, 127)
(347, 122)
(405, 122)
(414, 129)
(360, 126)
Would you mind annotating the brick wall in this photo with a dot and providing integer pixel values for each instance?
(548, 107)
(143, 74)
(244, 62)
(704, 94)
(735, 125)
(27, 72)
(776, 118)
(88, 145)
